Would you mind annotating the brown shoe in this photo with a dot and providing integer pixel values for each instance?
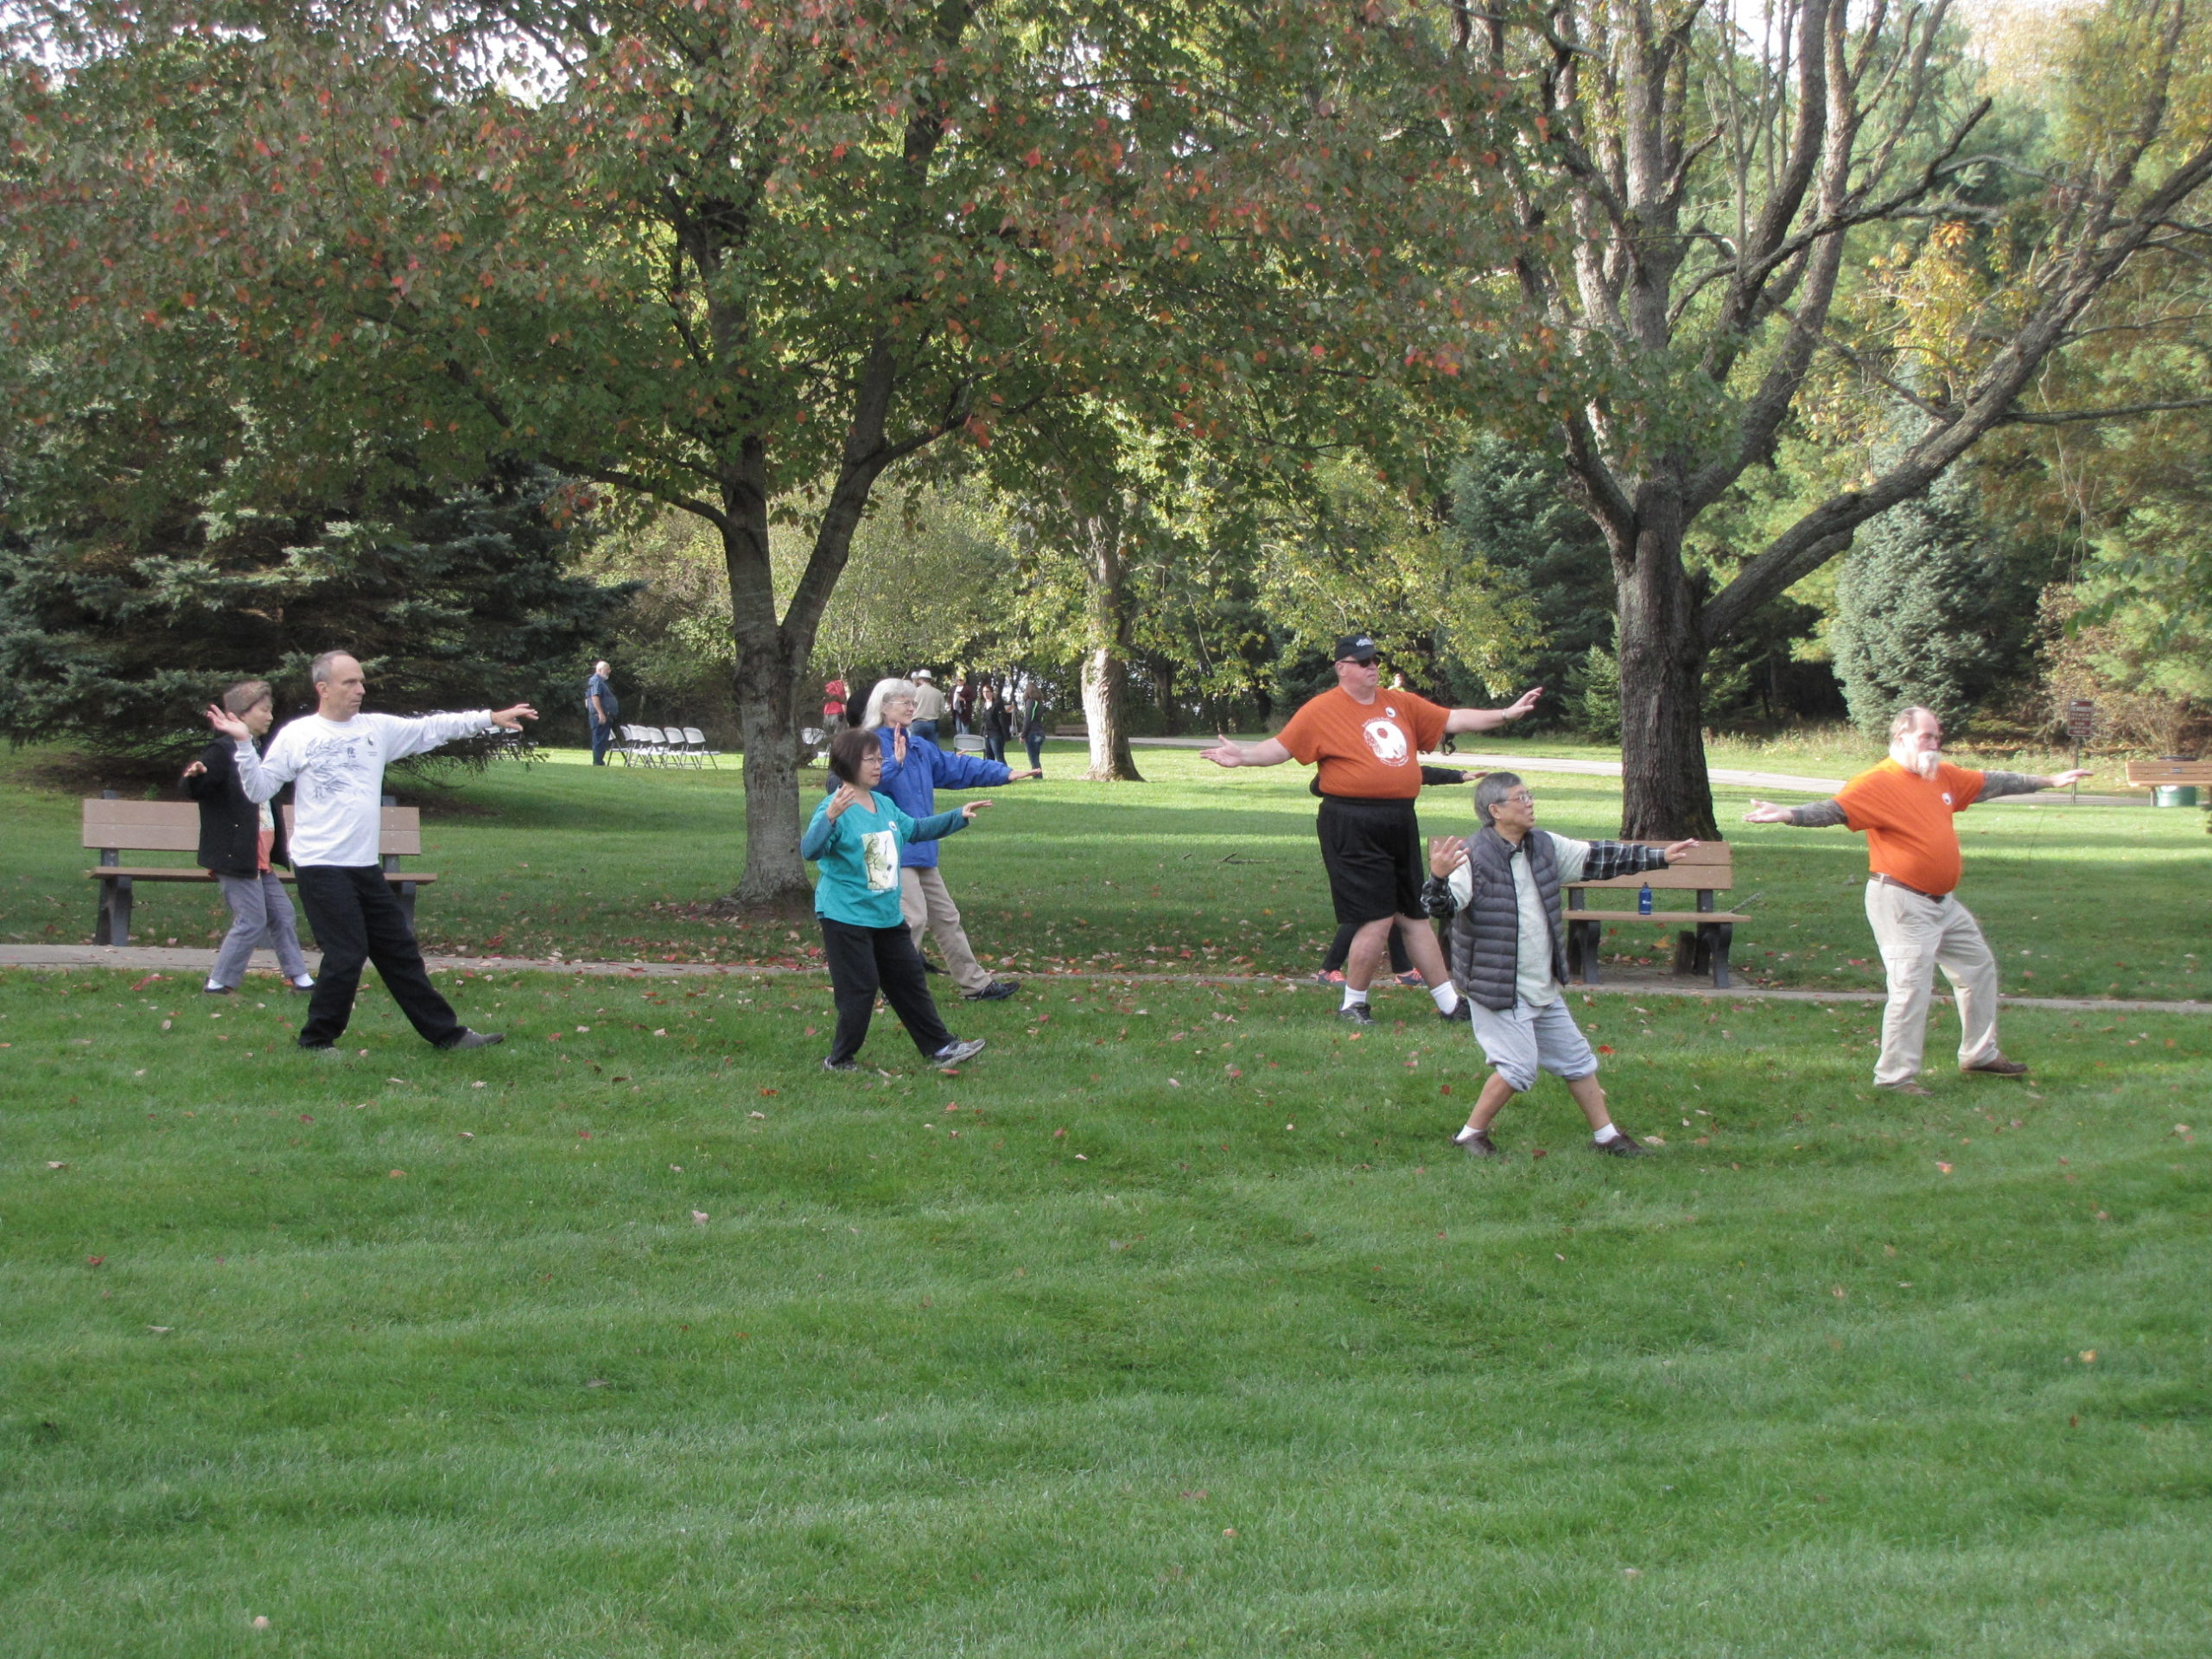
(1999, 1067)
(1909, 1086)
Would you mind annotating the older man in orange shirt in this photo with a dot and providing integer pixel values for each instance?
(1905, 806)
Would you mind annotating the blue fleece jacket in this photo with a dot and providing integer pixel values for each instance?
(913, 784)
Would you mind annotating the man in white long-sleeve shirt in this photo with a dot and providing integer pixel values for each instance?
(335, 760)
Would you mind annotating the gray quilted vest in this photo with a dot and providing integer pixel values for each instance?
(1486, 935)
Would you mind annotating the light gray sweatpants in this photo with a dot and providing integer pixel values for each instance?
(261, 914)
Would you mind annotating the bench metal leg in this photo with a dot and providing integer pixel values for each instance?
(1713, 940)
(406, 891)
(1582, 940)
(112, 924)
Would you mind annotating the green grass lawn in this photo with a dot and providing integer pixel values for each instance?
(1171, 1326)
(1194, 868)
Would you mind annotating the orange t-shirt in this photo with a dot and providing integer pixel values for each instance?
(1368, 750)
(1907, 818)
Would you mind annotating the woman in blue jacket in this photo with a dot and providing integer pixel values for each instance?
(914, 769)
(855, 840)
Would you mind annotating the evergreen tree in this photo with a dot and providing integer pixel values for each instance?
(1929, 611)
(118, 635)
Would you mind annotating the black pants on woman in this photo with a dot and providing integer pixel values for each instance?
(864, 960)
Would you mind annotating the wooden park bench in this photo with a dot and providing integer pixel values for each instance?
(2151, 774)
(115, 827)
(1706, 870)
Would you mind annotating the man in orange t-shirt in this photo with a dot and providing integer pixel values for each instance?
(1367, 744)
(1905, 806)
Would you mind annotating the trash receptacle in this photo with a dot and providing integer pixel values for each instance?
(2174, 795)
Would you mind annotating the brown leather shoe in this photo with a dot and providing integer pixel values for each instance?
(1999, 1067)
(1907, 1087)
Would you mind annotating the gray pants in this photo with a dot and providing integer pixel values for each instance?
(261, 914)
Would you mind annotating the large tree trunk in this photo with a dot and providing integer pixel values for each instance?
(1665, 794)
(1106, 660)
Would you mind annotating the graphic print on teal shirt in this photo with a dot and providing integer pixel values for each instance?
(856, 857)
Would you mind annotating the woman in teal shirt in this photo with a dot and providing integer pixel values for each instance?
(854, 839)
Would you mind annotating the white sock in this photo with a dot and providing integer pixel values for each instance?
(1355, 999)
(1606, 1136)
(1447, 995)
(1467, 1134)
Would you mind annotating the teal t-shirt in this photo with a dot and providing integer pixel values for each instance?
(856, 858)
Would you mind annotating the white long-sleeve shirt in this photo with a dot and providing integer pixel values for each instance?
(339, 768)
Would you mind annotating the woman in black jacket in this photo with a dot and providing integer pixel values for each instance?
(239, 840)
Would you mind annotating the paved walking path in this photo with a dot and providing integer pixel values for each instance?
(1730, 776)
(180, 963)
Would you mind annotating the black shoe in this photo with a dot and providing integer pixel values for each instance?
(1478, 1145)
(956, 1050)
(841, 1066)
(211, 989)
(322, 1051)
(997, 991)
(1463, 1011)
(1357, 1013)
(473, 1039)
(1999, 1067)
(1623, 1145)
(929, 966)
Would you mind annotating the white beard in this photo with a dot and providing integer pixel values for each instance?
(1922, 763)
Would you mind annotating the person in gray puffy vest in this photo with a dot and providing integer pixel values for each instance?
(1507, 955)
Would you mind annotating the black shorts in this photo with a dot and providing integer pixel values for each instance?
(1372, 852)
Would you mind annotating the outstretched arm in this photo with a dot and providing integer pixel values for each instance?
(1269, 752)
(1815, 815)
(1489, 720)
(1994, 784)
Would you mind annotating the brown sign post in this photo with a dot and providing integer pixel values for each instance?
(2080, 726)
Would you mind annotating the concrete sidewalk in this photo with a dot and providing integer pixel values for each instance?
(191, 967)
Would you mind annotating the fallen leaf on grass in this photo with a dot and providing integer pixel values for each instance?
(50, 1164)
(1942, 1169)
(699, 1216)
(2089, 1356)
(94, 1260)
(760, 1115)
(398, 1175)
(161, 1329)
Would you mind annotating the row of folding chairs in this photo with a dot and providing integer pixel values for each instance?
(666, 745)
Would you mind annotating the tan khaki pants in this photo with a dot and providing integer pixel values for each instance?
(1917, 936)
(928, 908)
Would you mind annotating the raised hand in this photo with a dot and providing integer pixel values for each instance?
(1445, 854)
(1527, 701)
(228, 724)
(847, 796)
(1766, 812)
(1674, 850)
(512, 719)
(971, 809)
(195, 770)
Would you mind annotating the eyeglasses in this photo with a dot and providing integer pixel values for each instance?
(1362, 662)
(1524, 798)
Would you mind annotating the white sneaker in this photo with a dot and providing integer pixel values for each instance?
(304, 982)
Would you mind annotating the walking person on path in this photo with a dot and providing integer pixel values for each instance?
(914, 769)
(855, 840)
(335, 758)
(1368, 747)
(1509, 956)
(602, 706)
(1905, 806)
(241, 840)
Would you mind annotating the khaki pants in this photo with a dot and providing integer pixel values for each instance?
(928, 908)
(1917, 936)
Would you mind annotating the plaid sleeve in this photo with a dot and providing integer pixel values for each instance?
(1608, 859)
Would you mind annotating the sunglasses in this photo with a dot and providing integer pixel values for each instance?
(1362, 662)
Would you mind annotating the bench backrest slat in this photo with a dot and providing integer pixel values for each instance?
(174, 826)
(1706, 868)
(2141, 773)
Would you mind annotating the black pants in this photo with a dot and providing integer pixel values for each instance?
(356, 920)
(863, 959)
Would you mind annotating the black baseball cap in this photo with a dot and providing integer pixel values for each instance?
(1358, 646)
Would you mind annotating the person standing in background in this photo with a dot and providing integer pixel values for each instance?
(964, 706)
(601, 708)
(928, 704)
(240, 841)
(1033, 726)
(990, 716)
(833, 704)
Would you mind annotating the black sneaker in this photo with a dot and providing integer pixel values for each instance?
(956, 1050)
(1623, 1145)
(1463, 1011)
(997, 991)
(841, 1065)
(211, 989)
(1478, 1145)
(1357, 1013)
(473, 1039)
(929, 966)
